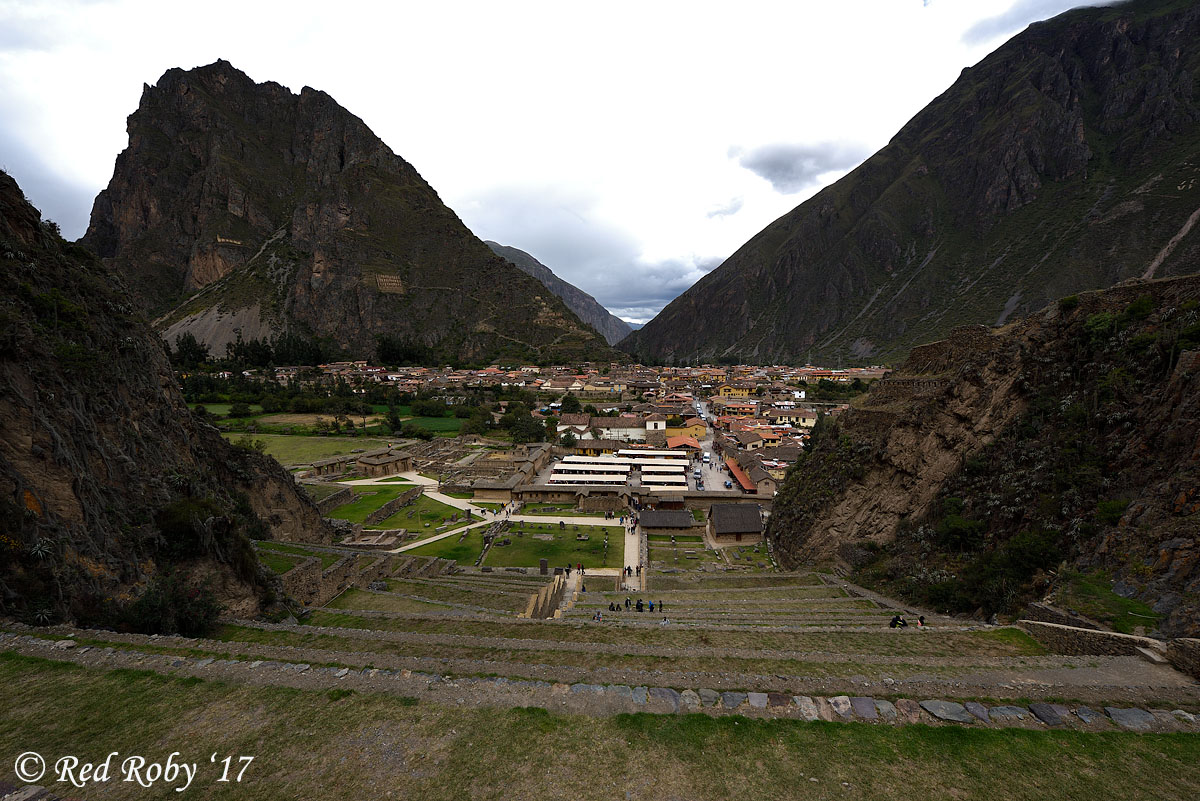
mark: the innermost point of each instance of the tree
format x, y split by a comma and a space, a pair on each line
189, 352
527, 429
567, 440
571, 404
240, 410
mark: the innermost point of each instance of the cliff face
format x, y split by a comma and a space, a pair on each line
612, 328
991, 458
243, 206
106, 479
1064, 161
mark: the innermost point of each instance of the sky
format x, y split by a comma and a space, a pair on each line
629, 146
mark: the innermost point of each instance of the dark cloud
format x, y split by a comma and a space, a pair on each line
728, 209
561, 231
1020, 14
68, 204
792, 168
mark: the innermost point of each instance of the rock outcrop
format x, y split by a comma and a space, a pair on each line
234, 195
990, 458
106, 479
1064, 161
611, 327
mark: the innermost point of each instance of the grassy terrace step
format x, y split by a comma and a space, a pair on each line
427, 596
697, 582
335, 649
457, 753
992, 642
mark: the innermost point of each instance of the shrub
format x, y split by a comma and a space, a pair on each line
170, 606
1069, 303
240, 410
1110, 512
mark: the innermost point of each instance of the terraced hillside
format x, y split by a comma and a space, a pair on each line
789, 645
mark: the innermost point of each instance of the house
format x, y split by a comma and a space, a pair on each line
388, 464
738, 390
665, 522
626, 429
749, 440
685, 443
692, 427
656, 422
735, 524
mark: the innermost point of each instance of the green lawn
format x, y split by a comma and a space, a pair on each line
526, 550
424, 510
277, 562
464, 552
310, 743
295, 449
439, 425
366, 500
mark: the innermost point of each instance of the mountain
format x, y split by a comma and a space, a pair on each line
242, 207
612, 328
994, 463
1067, 160
110, 490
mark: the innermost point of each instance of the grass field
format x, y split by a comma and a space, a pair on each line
449, 426
318, 743
277, 562
525, 551
424, 510
367, 500
556, 510
289, 449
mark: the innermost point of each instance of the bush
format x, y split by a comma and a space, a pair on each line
1109, 512
170, 606
240, 410
1069, 303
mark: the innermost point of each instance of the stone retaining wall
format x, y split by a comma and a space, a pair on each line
1184, 655
1072, 640
327, 505
1045, 613
391, 507
312, 586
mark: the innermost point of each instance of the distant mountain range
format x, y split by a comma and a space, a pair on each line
1068, 159
242, 209
612, 328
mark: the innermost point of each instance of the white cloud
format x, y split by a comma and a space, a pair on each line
792, 168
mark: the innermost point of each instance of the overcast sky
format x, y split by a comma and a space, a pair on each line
629, 146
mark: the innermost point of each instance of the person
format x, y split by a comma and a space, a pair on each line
610, 606
921, 622
665, 622
640, 606
652, 607
583, 588
660, 606
627, 603
895, 622
568, 571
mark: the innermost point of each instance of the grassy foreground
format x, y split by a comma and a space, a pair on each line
312, 744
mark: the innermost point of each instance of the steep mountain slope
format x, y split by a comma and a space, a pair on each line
1069, 159
991, 458
106, 479
612, 328
287, 213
